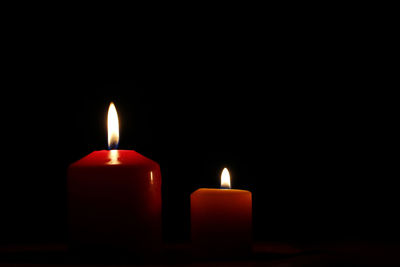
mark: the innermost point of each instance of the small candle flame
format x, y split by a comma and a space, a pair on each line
113, 127
225, 179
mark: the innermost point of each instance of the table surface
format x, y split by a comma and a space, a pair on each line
264, 254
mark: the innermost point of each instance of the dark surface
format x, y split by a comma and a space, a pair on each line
265, 254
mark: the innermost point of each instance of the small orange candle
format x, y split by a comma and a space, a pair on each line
221, 220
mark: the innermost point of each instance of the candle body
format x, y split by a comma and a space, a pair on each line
221, 222
114, 200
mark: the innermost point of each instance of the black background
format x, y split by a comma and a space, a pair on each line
296, 111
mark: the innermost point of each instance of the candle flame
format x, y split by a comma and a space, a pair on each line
113, 127
225, 179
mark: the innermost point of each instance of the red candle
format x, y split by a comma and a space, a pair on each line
115, 198
221, 220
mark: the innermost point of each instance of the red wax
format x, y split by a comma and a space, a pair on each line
221, 222
115, 201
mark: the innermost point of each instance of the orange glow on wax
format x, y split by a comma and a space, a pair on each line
114, 157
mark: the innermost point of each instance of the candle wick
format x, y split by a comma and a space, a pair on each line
113, 146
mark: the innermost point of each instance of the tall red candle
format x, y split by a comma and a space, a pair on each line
115, 198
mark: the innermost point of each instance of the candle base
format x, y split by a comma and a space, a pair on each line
222, 251
221, 223
106, 253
